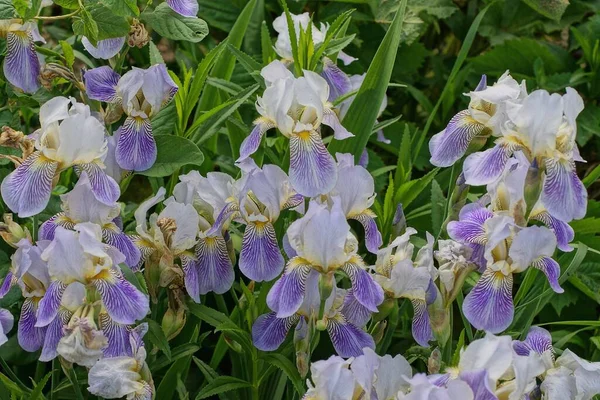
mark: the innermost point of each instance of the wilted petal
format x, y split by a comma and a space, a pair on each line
124, 243
21, 64
54, 333
187, 8
287, 294
312, 168
373, 238
450, 145
260, 258
563, 193
347, 339
104, 49
101, 84
480, 384
48, 306
27, 189
136, 148
30, 337
421, 328
211, 271
105, 188
485, 167
117, 377
124, 302
338, 81
368, 292
489, 305
551, 269
252, 141
268, 331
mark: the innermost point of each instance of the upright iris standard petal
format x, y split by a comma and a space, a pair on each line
124, 302
364, 288
489, 305
348, 340
268, 331
124, 243
421, 328
105, 188
260, 258
48, 306
470, 227
187, 8
27, 189
563, 193
104, 49
312, 168
538, 339
136, 148
31, 338
252, 141
286, 296
373, 239
450, 145
21, 64
339, 83
54, 333
485, 167
101, 84
211, 271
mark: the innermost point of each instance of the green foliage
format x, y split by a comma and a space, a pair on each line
173, 26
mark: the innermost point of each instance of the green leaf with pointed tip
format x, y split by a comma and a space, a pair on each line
364, 110
553, 9
222, 384
173, 26
7, 10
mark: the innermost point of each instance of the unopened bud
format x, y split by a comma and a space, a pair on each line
439, 317
233, 345
321, 325
50, 71
11, 232
434, 362
399, 221
302, 361
379, 331
173, 322
138, 35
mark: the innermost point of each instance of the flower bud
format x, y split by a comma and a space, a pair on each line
379, 331
434, 362
439, 318
11, 232
399, 221
173, 322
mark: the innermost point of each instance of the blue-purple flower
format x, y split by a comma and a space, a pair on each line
6, 324
69, 136
104, 49
141, 93
21, 63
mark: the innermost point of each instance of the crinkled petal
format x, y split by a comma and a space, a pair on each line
21, 64
27, 189
563, 193
268, 331
312, 168
489, 305
450, 145
260, 258
287, 294
101, 84
136, 148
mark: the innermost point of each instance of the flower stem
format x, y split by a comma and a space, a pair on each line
58, 17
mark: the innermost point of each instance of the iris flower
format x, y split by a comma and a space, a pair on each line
21, 63
141, 93
69, 136
104, 49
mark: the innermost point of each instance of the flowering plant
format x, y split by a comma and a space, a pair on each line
251, 212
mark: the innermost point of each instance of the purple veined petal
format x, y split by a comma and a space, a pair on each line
101, 84
338, 81
104, 49
563, 193
31, 338
563, 231
118, 221
287, 294
421, 328
47, 229
145, 249
21, 64
252, 141
521, 348
105, 188
551, 269
27, 189
117, 336
373, 238
489, 305
470, 227
353, 311
187, 8
368, 292
331, 119
287, 247
450, 145
124, 302
124, 243
268, 331
260, 257
50, 303
478, 256
363, 161
211, 270
53, 335
348, 340
294, 202
485, 167
431, 293
479, 383
9, 281
312, 168
539, 340
225, 215
136, 148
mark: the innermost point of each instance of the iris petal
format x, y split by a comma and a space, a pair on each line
368, 292
260, 258
268, 331
124, 302
287, 294
187, 8
31, 338
312, 168
21, 64
489, 305
136, 148
101, 84
563, 193
421, 328
450, 145
348, 340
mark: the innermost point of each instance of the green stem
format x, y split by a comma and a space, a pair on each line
73, 379
55, 379
58, 17
13, 376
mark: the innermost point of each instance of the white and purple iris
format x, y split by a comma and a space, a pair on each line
141, 93
297, 107
69, 136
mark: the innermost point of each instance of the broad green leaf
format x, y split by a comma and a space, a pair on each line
222, 384
208, 315
438, 206
364, 110
173, 153
221, 14
124, 8
158, 338
69, 4
587, 280
155, 56
164, 122
68, 53
553, 9
173, 26
7, 10
86, 26
109, 24
177, 371
288, 368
